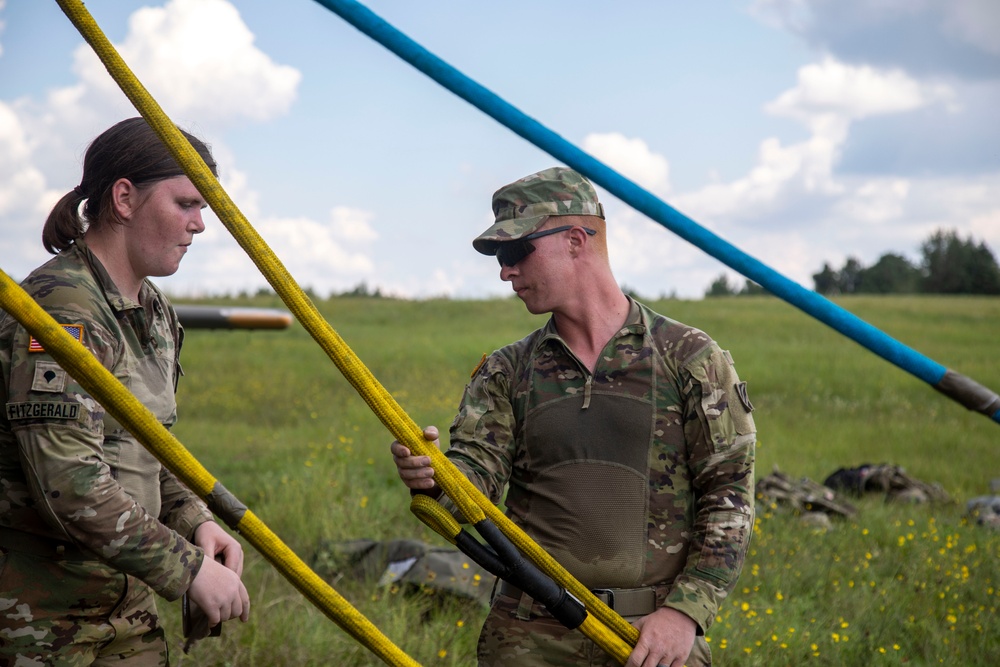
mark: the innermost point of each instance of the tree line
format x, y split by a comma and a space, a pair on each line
949, 264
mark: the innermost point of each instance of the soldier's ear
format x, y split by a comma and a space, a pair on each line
576, 238
124, 199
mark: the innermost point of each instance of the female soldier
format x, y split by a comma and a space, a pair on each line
91, 525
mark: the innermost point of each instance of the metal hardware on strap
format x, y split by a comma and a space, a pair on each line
524, 601
508, 589
628, 601
43, 547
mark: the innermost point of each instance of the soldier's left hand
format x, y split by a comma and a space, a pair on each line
415, 471
220, 545
665, 638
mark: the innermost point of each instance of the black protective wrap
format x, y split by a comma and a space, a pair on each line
519, 571
225, 505
969, 393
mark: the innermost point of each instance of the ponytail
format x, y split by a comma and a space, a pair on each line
63, 226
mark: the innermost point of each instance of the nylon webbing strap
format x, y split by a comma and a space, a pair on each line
640, 199
77, 360
625, 601
629, 601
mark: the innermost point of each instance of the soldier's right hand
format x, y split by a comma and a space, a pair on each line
219, 593
415, 471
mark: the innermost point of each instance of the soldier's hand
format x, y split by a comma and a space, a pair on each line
415, 471
220, 545
219, 593
665, 638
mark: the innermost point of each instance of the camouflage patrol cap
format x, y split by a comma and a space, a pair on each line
524, 205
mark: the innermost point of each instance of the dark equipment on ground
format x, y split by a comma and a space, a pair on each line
803, 495
985, 510
887, 479
405, 563
817, 503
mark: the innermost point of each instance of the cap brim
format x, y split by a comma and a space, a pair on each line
507, 230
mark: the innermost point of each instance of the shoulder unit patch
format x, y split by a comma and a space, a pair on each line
741, 391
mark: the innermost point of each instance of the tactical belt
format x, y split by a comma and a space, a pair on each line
625, 601
43, 547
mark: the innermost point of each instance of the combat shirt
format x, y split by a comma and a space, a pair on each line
638, 473
68, 470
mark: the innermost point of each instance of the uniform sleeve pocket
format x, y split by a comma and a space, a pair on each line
725, 545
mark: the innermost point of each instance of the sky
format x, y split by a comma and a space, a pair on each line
802, 131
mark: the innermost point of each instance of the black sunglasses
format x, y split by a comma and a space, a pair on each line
510, 253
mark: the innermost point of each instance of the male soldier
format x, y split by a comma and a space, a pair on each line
625, 438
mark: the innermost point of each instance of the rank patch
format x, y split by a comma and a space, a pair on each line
49, 376
74, 330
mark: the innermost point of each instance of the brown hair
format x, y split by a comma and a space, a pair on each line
129, 149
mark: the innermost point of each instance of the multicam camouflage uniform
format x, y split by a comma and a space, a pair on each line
90, 523
639, 474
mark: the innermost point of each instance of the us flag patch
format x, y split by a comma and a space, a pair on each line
74, 330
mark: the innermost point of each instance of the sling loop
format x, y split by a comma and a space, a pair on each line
471, 502
956, 386
137, 418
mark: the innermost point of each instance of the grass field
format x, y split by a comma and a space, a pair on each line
270, 416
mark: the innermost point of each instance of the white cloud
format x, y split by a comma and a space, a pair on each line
326, 257
633, 158
986, 226
352, 224
968, 204
438, 282
830, 92
796, 256
198, 59
316, 253
12, 138
793, 15
648, 258
22, 187
827, 98
875, 201
952, 38
800, 202
792, 210
976, 22
781, 173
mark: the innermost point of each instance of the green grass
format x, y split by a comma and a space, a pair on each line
273, 419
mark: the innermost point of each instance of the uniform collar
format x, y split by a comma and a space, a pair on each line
635, 323
116, 299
